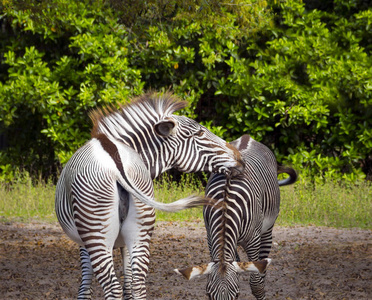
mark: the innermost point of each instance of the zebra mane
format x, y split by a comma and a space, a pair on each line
161, 104
222, 238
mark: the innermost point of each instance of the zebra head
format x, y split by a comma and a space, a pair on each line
164, 140
223, 282
195, 148
223, 277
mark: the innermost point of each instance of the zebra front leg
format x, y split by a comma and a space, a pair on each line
257, 283
85, 290
256, 280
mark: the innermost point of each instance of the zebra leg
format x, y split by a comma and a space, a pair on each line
127, 273
95, 206
103, 268
256, 281
137, 230
85, 290
266, 243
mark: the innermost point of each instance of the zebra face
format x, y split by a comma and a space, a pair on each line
197, 149
223, 282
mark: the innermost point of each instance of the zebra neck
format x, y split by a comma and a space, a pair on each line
133, 125
149, 153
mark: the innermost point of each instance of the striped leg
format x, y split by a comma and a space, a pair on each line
85, 290
95, 205
256, 281
266, 243
103, 267
137, 230
127, 273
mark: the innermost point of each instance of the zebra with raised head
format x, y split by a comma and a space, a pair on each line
250, 206
105, 196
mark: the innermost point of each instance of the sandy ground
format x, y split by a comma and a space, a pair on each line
37, 261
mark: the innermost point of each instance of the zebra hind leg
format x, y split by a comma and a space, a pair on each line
137, 231
104, 271
127, 290
85, 290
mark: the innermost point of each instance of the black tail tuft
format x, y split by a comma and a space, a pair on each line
292, 175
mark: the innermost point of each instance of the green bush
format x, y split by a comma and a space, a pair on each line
56, 72
296, 76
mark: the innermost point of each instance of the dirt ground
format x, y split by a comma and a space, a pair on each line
37, 261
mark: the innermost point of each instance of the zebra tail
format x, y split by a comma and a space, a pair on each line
292, 175
188, 202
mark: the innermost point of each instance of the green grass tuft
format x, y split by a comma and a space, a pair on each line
24, 200
328, 204
167, 190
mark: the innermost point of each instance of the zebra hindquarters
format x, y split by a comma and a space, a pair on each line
95, 207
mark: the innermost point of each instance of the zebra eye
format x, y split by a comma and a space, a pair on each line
199, 132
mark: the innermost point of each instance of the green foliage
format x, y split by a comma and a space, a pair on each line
72, 64
296, 76
168, 190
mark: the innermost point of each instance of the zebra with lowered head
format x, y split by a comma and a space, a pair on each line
105, 196
248, 206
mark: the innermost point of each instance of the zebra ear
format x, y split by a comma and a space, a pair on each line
252, 266
164, 127
192, 272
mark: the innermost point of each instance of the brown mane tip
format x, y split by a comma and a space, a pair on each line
96, 115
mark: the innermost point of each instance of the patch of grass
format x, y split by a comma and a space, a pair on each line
167, 190
24, 200
328, 204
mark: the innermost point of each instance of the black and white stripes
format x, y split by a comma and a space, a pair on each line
248, 208
105, 196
